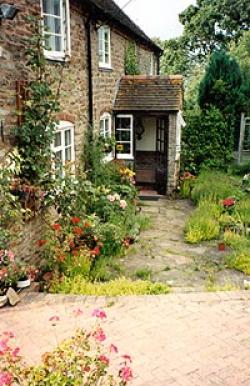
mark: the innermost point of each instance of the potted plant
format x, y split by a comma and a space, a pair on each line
7, 271
23, 276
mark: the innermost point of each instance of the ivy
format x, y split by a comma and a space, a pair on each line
131, 65
35, 135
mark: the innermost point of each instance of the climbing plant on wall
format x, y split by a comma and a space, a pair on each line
131, 64
35, 134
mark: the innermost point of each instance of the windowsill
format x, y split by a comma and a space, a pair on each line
125, 157
102, 67
56, 57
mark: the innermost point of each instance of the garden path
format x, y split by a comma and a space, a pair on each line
195, 339
163, 255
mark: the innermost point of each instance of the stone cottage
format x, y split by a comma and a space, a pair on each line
93, 36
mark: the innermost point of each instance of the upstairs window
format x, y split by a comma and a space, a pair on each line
63, 148
55, 14
104, 47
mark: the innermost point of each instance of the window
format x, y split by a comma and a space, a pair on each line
106, 132
104, 47
124, 137
63, 147
56, 22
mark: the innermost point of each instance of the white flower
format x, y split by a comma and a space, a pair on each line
117, 196
111, 198
123, 204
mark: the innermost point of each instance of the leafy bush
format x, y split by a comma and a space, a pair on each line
240, 170
118, 287
203, 223
216, 186
207, 140
243, 210
240, 259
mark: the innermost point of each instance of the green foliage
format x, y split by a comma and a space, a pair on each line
221, 85
211, 24
34, 136
240, 170
175, 59
207, 140
118, 287
203, 223
10, 210
216, 186
131, 65
144, 273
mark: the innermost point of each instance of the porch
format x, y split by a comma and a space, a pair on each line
147, 130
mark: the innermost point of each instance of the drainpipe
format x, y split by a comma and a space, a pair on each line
89, 69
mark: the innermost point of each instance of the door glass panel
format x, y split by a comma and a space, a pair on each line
123, 135
123, 148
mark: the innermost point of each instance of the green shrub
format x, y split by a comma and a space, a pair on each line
144, 273
243, 211
215, 186
118, 287
240, 259
203, 224
240, 170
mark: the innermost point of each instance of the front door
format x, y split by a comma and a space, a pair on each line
161, 154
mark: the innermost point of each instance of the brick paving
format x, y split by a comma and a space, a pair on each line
175, 340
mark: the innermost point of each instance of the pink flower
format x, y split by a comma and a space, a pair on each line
99, 313
123, 204
54, 319
113, 348
99, 335
11, 255
127, 358
15, 352
77, 312
5, 379
4, 346
104, 359
126, 374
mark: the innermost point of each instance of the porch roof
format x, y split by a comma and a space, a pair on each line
149, 93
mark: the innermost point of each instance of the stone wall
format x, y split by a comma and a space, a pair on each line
173, 165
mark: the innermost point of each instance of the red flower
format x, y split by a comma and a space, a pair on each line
126, 374
99, 313
95, 251
87, 225
113, 348
61, 258
75, 220
78, 231
99, 335
56, 227
104, 359
72, 244
40, 243
228, 202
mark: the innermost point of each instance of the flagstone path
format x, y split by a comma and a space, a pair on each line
198, 339
164, 254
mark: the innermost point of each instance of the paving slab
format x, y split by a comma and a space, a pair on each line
179, 339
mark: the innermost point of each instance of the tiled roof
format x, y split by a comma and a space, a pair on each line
149, 93
110, 11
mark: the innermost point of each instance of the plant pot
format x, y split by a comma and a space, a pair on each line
3, 300
221, 247
23, 283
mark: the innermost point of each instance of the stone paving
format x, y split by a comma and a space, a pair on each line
163, 251
198, 339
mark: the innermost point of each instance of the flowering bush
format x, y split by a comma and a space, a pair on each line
84, 359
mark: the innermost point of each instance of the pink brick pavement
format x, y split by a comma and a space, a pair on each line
179, 339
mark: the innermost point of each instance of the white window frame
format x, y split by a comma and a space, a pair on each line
61, 128
101, 51
65, 32
126, 156
107, 134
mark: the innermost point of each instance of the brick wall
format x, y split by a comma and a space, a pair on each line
74, 90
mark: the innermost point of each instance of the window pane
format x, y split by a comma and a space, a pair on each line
68, 154
123, 123
53, 42
123, 135
57, 141
52, 24
102, 127
52, 7
123, 148
67, 137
